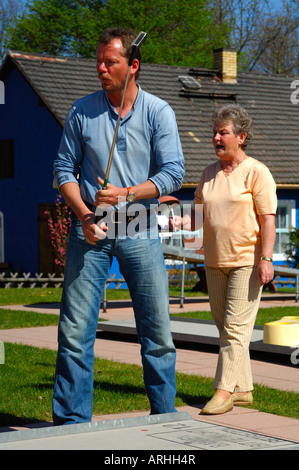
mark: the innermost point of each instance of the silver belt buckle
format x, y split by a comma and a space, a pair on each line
113, 218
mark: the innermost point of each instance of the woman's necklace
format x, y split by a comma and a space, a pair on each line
227, 171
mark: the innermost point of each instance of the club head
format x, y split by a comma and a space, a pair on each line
136, 44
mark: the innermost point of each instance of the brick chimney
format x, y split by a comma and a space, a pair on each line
225, 60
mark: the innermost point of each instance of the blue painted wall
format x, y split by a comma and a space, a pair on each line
36, 135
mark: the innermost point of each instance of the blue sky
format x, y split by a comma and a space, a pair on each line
276, 3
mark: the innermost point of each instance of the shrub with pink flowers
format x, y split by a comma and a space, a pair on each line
59, 227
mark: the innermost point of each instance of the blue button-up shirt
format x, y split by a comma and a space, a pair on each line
147, 146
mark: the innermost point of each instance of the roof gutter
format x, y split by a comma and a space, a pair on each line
287, 186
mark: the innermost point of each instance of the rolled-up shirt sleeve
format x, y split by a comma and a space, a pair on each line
70, 152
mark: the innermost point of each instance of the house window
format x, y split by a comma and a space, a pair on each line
285, 219
6, 159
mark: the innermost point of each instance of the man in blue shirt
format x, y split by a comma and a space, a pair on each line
147, 164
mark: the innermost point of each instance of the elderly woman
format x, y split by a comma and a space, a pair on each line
239, 201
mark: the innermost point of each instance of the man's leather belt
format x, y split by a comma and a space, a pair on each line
116, 216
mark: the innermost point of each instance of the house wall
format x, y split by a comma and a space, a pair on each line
36, 135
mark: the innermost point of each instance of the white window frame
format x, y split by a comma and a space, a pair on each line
290, 205
176, 239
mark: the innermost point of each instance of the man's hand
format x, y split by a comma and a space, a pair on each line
92, 232
109, 196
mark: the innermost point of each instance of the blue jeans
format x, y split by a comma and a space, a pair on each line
142, 266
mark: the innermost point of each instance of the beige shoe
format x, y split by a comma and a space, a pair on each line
217, 405
242, 398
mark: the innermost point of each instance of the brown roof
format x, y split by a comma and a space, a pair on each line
60, 81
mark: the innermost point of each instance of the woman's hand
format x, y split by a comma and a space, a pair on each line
265, 272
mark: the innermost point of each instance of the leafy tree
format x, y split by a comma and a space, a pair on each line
56, 27
9, 10
180, 32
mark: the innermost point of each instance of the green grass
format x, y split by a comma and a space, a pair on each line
27, 377
25, 295
264, 315
20, 319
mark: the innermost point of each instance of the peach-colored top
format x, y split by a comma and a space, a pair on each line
230, 205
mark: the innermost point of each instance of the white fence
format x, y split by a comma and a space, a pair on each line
25, 279
40, 280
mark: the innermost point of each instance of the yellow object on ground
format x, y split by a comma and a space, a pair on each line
284, 332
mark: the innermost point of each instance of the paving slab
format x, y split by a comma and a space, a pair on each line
170, 432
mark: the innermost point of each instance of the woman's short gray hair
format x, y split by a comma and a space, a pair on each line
238, 116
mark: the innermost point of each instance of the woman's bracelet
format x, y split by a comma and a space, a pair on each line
267, 258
